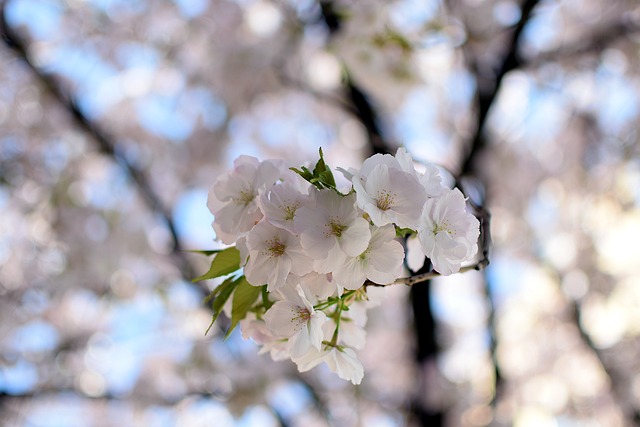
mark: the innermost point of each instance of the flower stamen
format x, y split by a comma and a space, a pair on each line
337, 228
275, 248
290, 210
443, 227
246, 197
385, 200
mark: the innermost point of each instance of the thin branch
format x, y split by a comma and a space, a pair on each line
46, 392
629, 411
422, 278
105, 143
596, 42
323, 97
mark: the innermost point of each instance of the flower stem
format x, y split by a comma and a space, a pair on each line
338, 316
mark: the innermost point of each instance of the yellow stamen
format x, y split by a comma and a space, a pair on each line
385, 200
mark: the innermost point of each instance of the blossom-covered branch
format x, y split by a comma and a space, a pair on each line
306, 251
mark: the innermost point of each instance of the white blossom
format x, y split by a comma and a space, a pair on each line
448, 233
320, 285
341, 360
415, 257
295, 318
309, 245
280, 203
345, 363
258, 331
381, 262
333, 224
430, 179
232, 198
388, 193
274, 253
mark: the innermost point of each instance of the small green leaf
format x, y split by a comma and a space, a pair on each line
403, 232
225, 262
265, 298
205, 252
322, 173
244, 297
322, 177
327, 179
224, 291
305, 173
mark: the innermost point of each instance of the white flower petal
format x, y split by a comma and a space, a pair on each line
355, 239
447, 232
310, 359
415, 256
285, 319
345, 363
386, 263
335, 258
351, 274
318, 319
299, 344
319, 285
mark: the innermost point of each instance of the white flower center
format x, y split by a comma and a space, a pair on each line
445, 226
246, 196
290, 210
275, 248
385, 199
335, 228
302, 314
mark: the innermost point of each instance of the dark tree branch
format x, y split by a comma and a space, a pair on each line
598, 41
367, 116
487, 93
105, 143
486, 96
425, 327
358, 102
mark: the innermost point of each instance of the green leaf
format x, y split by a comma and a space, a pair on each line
204, 251
404, 232
305, 173
244, 297
322, 177
326, 178
224, 291
322, 173
265, 298
225, 262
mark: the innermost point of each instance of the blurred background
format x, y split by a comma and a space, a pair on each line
116, 116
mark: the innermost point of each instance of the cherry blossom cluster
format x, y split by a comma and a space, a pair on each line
307, 256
